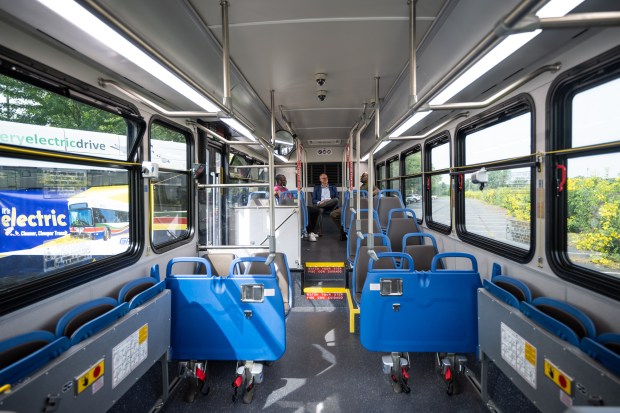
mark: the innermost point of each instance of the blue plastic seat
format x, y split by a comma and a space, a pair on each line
28, 352
352, 239
87, 319
560, 318
216, 318
508, 289
137, 292
436, 311
605, 349
345, 217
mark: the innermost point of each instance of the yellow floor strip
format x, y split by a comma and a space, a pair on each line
315, 264
352, 310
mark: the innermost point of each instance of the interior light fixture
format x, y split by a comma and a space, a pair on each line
280, 157
236, 125
365, 158
90, 24
418, 116
555, 8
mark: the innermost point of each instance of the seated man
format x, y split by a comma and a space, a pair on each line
324, 199
335, 215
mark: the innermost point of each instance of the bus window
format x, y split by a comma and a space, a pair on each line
497, 215
393, 170
63, 216
170, 197
381, 176
412, 181
583, 172
438, 205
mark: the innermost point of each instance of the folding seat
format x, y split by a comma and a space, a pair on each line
87, 319
237, 317
282, 271
404, 310
508, 289
387, 200
605, 349
26, 353
560, 318
137, 292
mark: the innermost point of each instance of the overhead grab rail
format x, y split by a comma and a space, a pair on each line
430, 132
510, 88
485, 45
570, 21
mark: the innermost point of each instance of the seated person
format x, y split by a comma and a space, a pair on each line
280, 186
324, 198
336, 214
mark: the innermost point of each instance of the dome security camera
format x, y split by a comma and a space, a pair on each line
321, 94
320, 78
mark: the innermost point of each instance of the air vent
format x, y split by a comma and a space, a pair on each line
324, 142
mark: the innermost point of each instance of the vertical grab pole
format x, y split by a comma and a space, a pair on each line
413, 83
371, 176
272, 199
226, 54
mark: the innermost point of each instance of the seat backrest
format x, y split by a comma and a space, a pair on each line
282, 272
560, 318
398, 227
220, 263
137, 292
238, 317
362, 258
605, 349
421, 311
28, 352
389, 199
421, 253
352, 239
351, 203
90, 317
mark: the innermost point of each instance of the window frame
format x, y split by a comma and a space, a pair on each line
26, 70
514, 107
434, 142
163, 122
404, 176
592, 73
389, 178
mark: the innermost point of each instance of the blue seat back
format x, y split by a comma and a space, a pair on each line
212, 321
436, 312
348, 202
605, 349
87, 319
560, 318
27, 353
137, 292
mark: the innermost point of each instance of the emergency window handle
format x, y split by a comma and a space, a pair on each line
561, 179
